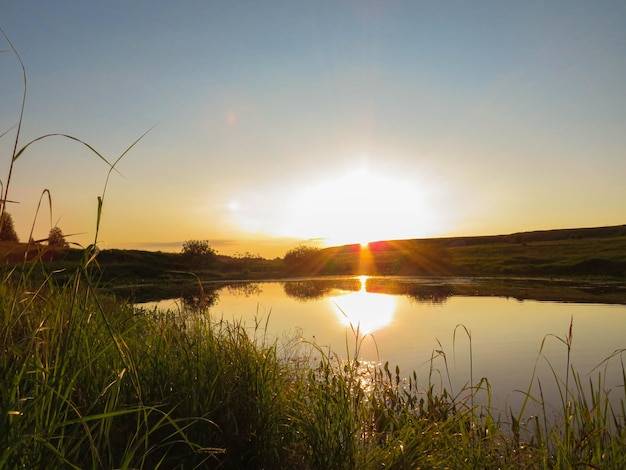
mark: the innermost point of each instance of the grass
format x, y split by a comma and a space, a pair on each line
589, 268
124, 267
597, 252
88, 381
594, 256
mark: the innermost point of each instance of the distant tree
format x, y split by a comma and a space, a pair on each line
300, 256
7, 230
56, 238
198, 249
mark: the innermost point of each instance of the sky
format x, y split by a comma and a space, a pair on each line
323, 122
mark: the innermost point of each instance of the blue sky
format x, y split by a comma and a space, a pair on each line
501, 116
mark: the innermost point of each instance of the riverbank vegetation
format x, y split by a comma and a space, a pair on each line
591, 252
88, 381
598, 253
580, 265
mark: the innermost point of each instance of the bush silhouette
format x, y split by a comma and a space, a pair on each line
197, 248
198, 252
56, 238
300, 256
7, 230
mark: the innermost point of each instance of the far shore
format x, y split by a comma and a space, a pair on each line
577, 265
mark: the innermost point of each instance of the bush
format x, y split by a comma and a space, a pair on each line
7, 230
56, 238
300, 256
197, 248
198, 253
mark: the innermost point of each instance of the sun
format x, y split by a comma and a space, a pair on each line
360, 207
357, 207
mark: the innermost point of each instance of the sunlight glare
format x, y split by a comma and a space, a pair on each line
361, 205
364, 310
358, 207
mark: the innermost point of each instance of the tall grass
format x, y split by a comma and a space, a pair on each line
88, 381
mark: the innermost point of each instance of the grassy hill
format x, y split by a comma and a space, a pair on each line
589, 252
570, 252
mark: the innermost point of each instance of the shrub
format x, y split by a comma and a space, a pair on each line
56, 238
300, 256
198, 253
197, 248
7, 230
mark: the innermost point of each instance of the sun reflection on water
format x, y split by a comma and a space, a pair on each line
366, 310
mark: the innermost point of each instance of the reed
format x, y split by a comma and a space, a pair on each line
89, 381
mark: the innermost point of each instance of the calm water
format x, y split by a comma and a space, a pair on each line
405, 328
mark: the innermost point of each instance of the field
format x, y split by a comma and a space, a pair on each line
598, 252
594, 252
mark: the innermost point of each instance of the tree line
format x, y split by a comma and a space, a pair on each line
8, 233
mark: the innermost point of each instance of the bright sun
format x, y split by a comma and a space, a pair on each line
359, 207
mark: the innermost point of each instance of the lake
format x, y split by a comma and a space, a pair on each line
407, 319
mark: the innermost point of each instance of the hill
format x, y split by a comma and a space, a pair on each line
588, 252
597, 251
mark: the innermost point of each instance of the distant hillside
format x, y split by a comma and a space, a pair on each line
586, 252
599, 251
517, 237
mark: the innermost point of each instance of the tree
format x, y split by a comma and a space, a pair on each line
198, 249
7, 230
301, 257
56, 238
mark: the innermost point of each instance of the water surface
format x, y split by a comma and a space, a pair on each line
407, 320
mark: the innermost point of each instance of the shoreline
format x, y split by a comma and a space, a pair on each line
420, 288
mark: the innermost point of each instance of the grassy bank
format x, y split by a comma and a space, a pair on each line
598, 253
593, 252
87, 381
122, 267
